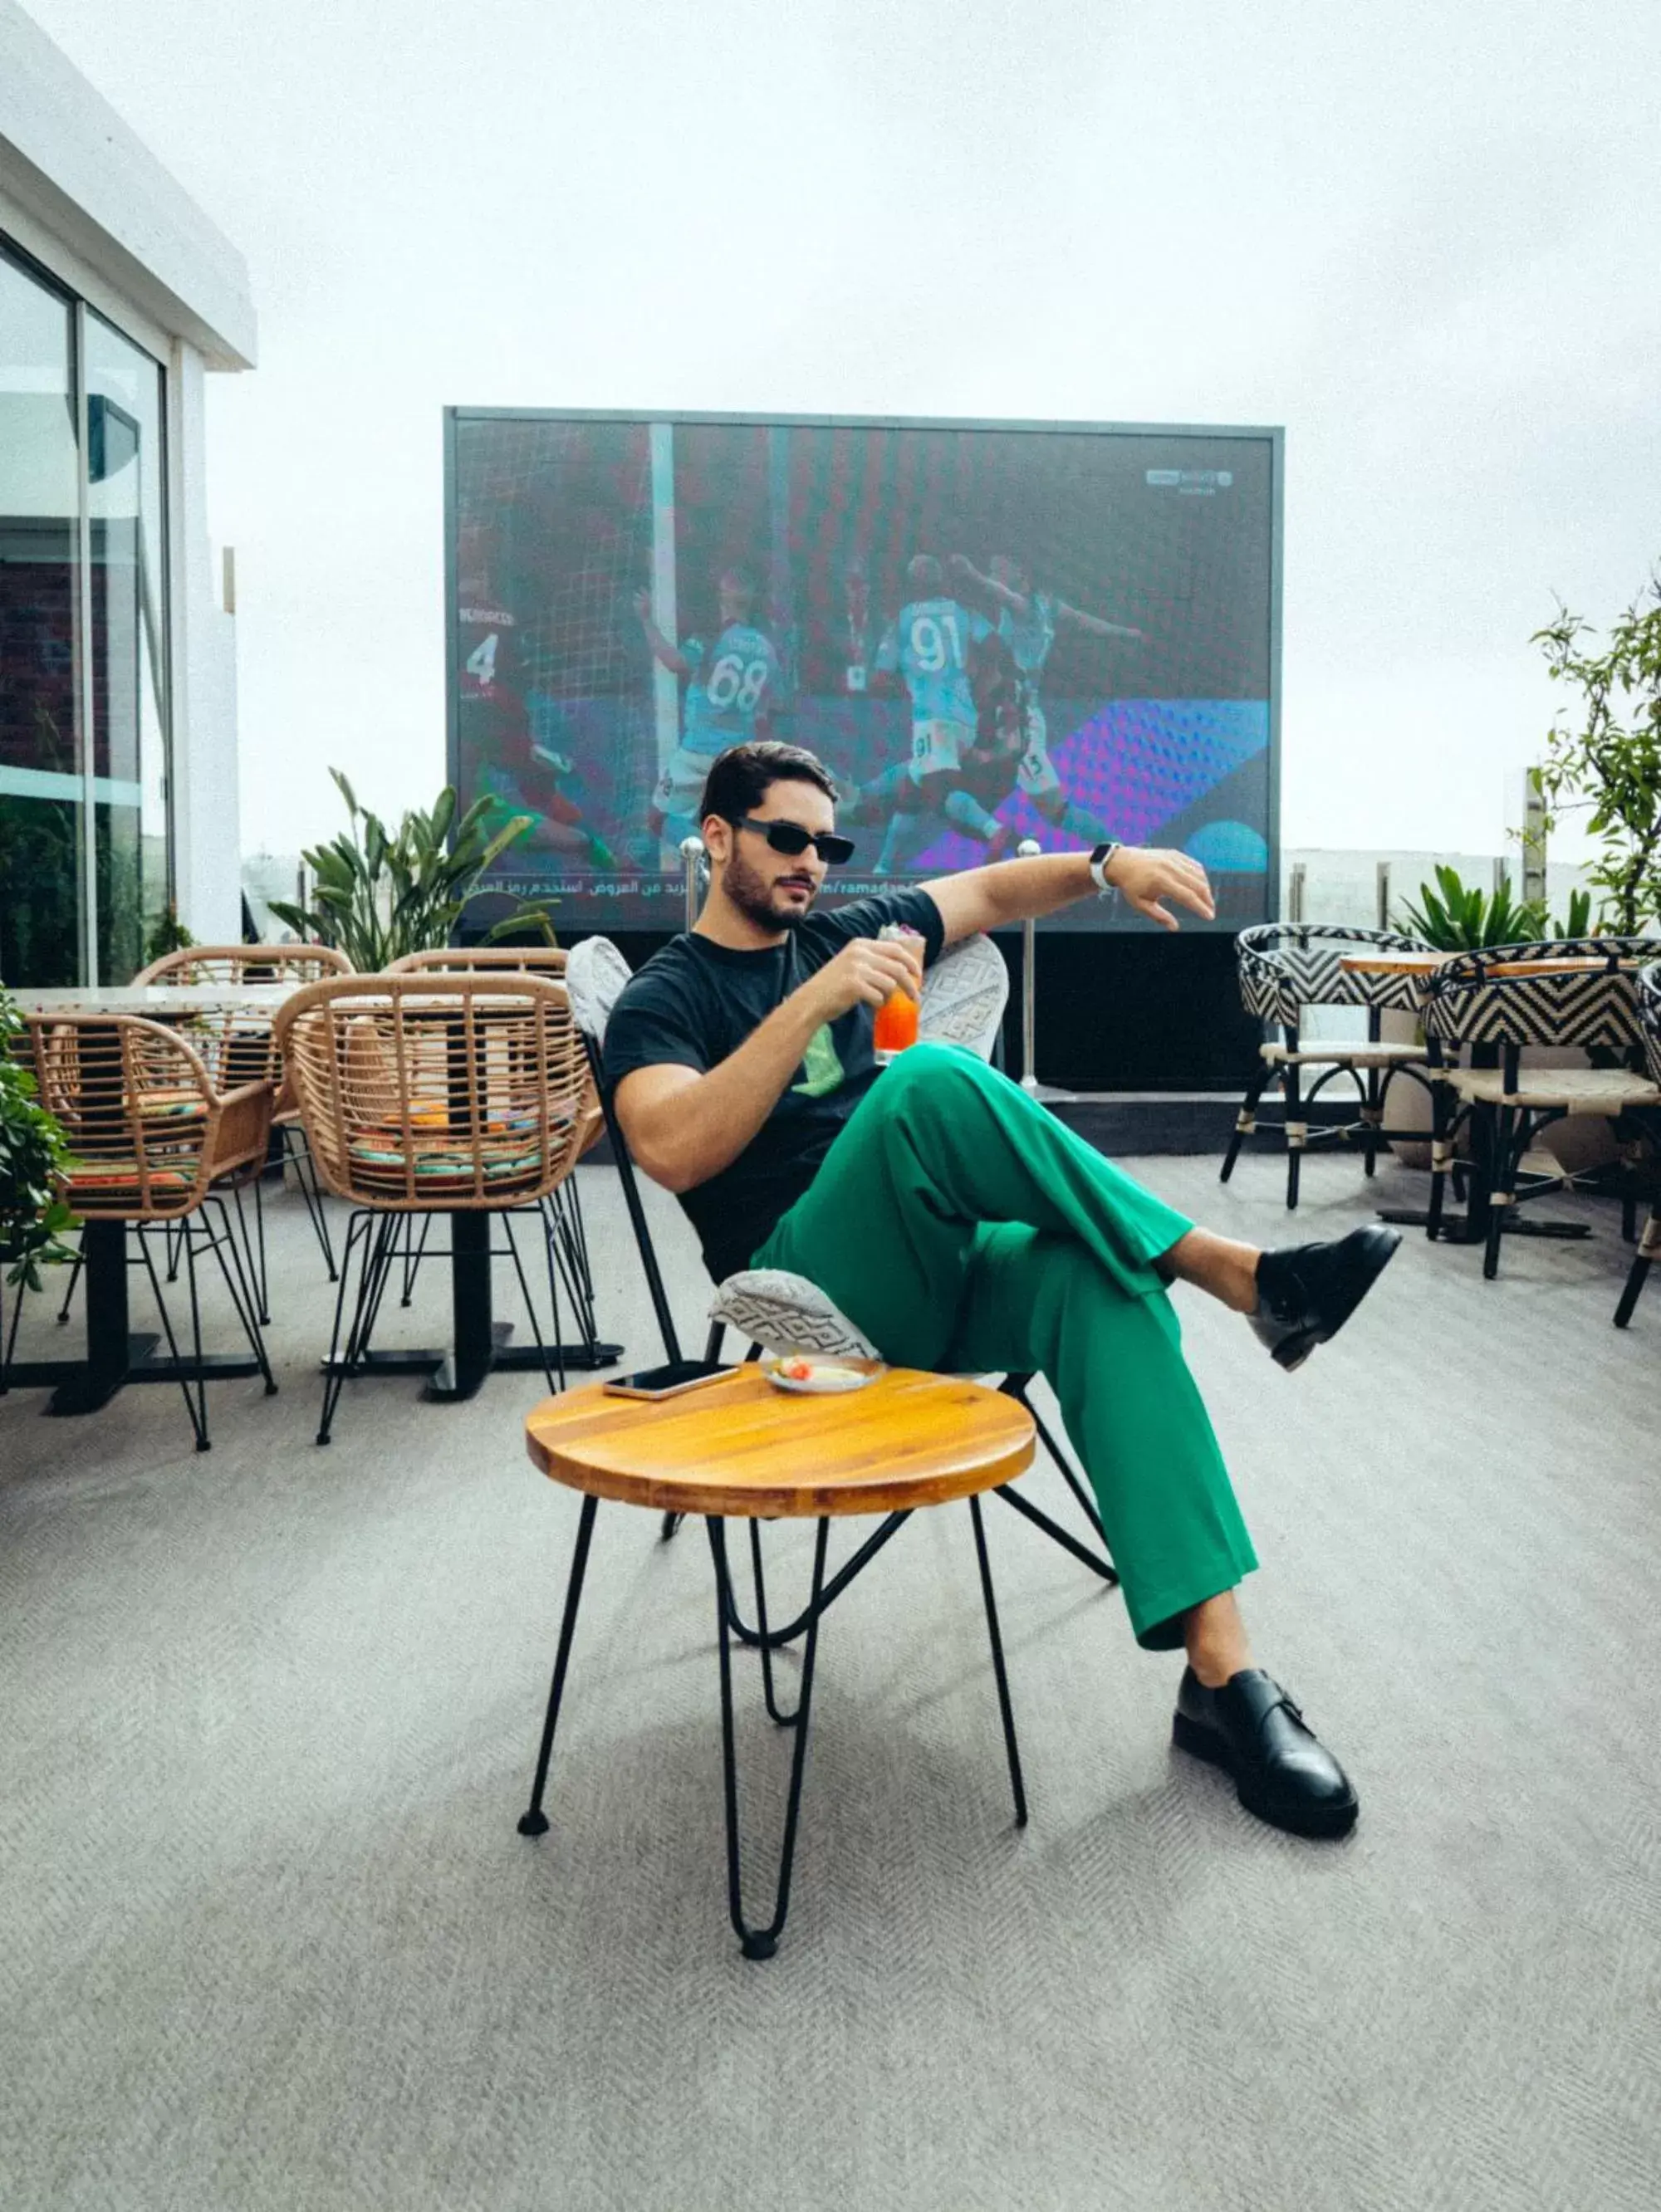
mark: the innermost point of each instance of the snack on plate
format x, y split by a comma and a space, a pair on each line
812, 1371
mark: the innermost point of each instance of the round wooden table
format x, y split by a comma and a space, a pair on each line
740, 1448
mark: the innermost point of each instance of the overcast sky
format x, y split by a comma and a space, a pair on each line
1427, 241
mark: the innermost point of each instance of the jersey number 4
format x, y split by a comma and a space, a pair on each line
482, 661
734, 684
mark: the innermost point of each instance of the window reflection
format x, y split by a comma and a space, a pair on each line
41, 791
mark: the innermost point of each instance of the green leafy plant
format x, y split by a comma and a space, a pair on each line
380, 893
169, 935
1604, 755
1460, 918
33, 1217
1577, 923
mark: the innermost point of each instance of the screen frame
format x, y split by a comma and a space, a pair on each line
1273, 434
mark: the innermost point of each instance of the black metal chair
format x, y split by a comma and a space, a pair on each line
1481, 1012
1288, 967
1649, 1239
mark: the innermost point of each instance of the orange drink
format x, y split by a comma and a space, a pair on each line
896, 1017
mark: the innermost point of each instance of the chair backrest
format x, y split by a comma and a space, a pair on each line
236, 1040
438, 1093
963, 997
1497, 996
1649, 1017
244, 964
139, 1110
1285, 966
485, 960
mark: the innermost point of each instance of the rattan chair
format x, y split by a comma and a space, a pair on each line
563, 1207
1287, 967
238, 1045
1494, 1004
963, 1001
432, 1093
1649, 1240
150, 1134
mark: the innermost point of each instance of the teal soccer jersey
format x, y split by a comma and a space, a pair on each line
1030, 637
929, 644
733, 682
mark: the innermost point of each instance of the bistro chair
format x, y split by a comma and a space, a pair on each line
1287, 967
239, 1045
963, 997
150, 1133
1649, 1240
1490, 1006
563, 1208
427, 1094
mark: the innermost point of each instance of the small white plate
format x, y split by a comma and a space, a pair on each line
828, 1379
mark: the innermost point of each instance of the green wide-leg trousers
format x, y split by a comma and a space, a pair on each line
963, 1228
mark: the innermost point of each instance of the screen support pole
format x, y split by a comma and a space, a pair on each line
1028, 849
691, 852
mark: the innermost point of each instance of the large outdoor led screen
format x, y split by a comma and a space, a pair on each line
989, 632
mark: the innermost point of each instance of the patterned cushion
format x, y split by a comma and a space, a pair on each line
1649, 1017
787, 1313
595, 973
964, 996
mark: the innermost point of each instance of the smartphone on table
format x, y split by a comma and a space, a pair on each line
669, 1380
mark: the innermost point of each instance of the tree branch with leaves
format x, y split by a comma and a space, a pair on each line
1603, 755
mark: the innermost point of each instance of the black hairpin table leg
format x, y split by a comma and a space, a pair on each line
763, 1942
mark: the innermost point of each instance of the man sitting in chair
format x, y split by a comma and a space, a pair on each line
959, 1225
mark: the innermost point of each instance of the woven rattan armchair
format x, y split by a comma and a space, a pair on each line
1286, 967
565, 1224
150, 1134
426, 1093
238, 1044
1494, 1005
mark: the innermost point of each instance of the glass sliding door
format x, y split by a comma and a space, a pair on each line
43, 935
84, 843
128, 656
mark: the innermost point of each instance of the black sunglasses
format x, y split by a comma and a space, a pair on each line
790, 837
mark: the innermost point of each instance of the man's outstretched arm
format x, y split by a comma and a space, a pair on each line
669, 656
1014, 890
683, 1127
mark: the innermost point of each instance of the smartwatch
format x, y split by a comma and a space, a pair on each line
1098, 864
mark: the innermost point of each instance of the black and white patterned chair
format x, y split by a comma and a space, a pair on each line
1649, 1239
1491, 1007
1287, 967
963, 997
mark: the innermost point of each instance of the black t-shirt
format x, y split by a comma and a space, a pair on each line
695, 1002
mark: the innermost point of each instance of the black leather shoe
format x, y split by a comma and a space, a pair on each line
1254, 1731
1306, 1292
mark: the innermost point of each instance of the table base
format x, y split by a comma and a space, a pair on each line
1457, 1229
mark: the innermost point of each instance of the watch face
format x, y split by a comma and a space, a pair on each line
1101, 852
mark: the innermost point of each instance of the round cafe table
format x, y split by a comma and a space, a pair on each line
740, 1448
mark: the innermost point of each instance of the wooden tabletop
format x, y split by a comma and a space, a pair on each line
156, 1002
739, 1446
1427, 963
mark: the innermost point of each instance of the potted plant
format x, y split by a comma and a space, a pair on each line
380, 893
32, 1153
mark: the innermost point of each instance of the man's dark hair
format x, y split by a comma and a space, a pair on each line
737, 781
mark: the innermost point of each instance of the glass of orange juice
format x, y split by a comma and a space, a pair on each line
896, 1017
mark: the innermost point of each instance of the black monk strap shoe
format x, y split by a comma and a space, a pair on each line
1254, 1731
1306, 1292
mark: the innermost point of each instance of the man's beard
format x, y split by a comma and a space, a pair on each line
752, 894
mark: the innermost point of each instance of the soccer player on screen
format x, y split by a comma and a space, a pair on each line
1028, 622
518, 774
733, 686
928, 645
